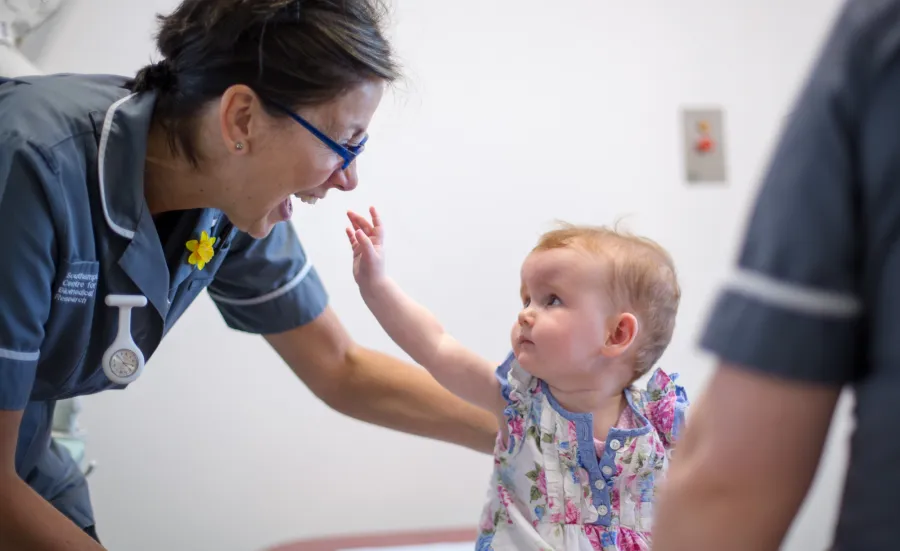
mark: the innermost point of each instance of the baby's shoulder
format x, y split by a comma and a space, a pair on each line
663, 403
516, 384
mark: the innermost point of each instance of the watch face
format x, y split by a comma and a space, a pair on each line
124, 363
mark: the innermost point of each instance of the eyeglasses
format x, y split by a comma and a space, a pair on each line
348, 153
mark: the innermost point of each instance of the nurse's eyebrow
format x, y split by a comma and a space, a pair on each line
356, 134
332, 130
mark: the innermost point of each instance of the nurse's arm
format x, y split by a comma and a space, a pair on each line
748, 427
378, 388
27, 521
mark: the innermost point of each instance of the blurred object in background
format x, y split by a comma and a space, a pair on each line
17, 19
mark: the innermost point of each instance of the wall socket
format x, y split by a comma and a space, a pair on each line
704, 146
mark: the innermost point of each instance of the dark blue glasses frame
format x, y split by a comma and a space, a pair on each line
348, 153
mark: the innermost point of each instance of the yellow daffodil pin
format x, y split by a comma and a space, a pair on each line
201, 251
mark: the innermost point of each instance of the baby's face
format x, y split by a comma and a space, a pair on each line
561, 328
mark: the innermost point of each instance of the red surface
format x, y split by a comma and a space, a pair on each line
381, 540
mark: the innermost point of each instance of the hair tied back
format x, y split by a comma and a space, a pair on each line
157, 76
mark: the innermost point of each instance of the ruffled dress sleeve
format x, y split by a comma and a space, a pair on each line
665, 405
518, 388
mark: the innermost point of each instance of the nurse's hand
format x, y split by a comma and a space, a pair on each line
367, 239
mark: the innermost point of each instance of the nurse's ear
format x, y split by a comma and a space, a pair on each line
240, 114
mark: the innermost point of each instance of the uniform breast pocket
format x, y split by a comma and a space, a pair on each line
69, 329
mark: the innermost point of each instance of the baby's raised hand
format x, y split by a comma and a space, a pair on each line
367, 240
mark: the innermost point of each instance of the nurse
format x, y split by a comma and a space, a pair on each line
133, 195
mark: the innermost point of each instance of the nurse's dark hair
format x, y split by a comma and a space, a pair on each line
294, 52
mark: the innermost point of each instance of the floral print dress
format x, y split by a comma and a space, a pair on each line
552, 491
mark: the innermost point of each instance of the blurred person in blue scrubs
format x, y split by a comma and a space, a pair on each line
813, 307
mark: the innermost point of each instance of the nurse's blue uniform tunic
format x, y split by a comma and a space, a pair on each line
74, 228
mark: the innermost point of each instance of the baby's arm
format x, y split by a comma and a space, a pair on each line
420, 335
414, 328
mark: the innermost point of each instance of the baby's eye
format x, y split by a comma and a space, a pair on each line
553, 300
526, 302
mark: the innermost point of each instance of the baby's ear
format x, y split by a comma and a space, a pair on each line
623, 330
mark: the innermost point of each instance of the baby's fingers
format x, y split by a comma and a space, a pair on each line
353, 220
376, 219
352, 237
360, 222
365, 244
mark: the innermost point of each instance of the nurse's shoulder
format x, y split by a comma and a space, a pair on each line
46, 110
50, 129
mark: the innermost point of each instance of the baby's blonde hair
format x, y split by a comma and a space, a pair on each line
642, 279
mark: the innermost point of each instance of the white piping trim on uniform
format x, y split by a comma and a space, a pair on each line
101, 157
19, 356
284, 289
794, 297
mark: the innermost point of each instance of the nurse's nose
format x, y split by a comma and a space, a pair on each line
344, 180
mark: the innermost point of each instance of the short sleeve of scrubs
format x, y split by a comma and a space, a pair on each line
268, 285
795, 306
27, 265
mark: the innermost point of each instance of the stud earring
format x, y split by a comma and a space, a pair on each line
239, 146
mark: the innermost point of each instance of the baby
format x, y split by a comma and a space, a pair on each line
582, 450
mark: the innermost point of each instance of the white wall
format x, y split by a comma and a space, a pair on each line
514, 114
